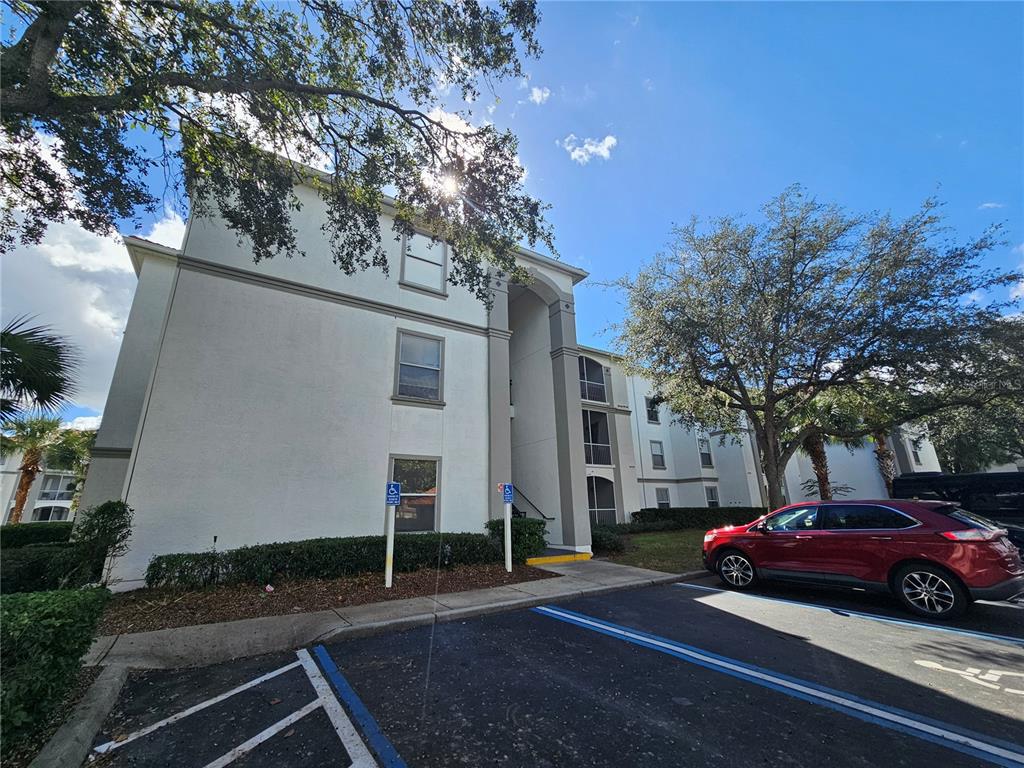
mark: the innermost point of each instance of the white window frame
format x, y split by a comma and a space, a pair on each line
406, 282
60, 494
437, 485
586, 384
701, 442
651, 403
709, 492
659, 453
594, 446
397, 395
665, 503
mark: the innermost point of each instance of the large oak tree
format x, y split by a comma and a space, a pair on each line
354, 88
757, 322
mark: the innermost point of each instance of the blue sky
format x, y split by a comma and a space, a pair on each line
712, 108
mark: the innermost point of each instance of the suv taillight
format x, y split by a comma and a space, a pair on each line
973, 534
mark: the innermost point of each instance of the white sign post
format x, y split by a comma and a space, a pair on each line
506, 494
392, 497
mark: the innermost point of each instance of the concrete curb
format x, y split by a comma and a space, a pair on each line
204, 644
72, 742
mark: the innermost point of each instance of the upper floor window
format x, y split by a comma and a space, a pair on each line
592, 380
916, 454
420, 360
657, 454
423, 263
661, 494
704, 446
653, 412
57, 488
711, 494
597, 446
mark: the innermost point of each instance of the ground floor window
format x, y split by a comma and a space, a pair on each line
601, 501
418, 510
49, 514
663, 500
711, 494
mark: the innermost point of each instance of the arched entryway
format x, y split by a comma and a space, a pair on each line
601, 500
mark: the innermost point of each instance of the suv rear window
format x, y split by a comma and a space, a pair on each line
967, 518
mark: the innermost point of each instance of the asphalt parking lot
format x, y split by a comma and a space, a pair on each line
674, 675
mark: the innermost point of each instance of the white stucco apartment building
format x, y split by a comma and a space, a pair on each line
271, 402
49, 498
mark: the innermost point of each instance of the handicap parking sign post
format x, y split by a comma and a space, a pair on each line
507, 495
392, 498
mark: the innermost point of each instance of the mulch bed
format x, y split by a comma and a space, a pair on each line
143, 610
25, 751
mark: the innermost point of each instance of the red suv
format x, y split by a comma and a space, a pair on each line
936, 557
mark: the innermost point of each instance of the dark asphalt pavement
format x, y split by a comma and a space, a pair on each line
671, 675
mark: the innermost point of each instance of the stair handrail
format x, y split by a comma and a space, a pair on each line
521, 495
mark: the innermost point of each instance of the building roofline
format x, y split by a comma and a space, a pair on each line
140, 247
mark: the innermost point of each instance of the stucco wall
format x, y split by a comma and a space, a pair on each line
271, 419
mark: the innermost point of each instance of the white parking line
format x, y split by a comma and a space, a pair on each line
259, 738
110, 745
346, 731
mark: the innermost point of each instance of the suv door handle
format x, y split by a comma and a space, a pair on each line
882, 538
804, 537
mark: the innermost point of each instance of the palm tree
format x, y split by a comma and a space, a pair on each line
34, 438
37, 369
831, 412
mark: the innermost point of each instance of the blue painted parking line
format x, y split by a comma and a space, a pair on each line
379, 743
862, 615
953, 737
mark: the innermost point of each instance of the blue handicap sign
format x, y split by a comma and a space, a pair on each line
393, 494
506, 493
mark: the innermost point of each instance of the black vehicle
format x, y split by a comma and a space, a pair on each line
998, 496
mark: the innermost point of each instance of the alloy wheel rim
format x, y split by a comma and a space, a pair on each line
737, 570
929, 592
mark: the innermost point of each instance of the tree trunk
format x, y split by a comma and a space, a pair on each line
885, 459
29, 469
814, 446
773, 472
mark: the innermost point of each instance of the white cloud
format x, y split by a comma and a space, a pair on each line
986, 206
1017, 291
974, 297
539, 95
648, 84
82, 285
83, 422
582, 151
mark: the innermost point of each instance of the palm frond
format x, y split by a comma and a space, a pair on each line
37, 368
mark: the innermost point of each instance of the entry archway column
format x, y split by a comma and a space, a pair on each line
572, 479
499, 396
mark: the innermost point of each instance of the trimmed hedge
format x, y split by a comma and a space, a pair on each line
43, 636
23, 534
42, 567
696, 517
605, 540
527, 537
319, 559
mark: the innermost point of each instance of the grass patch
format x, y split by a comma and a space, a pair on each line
669, 551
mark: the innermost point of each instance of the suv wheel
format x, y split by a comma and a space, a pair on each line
930, 592
735, 570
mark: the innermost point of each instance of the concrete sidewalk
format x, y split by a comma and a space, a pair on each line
211, 643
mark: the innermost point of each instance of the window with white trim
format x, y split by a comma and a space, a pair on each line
657, 454
423, 263
704, 446
419, 366
661, 494
57, 488
653, 414
592, 380
597, 442
711, 494
418, 510
49, 514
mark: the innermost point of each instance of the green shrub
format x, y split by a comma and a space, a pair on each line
319, 559
39, 567
23, 534
696, 517
43, 636
103, 532
605, 540
527, 537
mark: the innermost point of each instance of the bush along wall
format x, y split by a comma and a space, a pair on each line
696, 517
605, 540
43, 636
527, 537
319, 559
23, 534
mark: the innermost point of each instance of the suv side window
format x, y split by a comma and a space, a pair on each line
862, 517
799, 519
